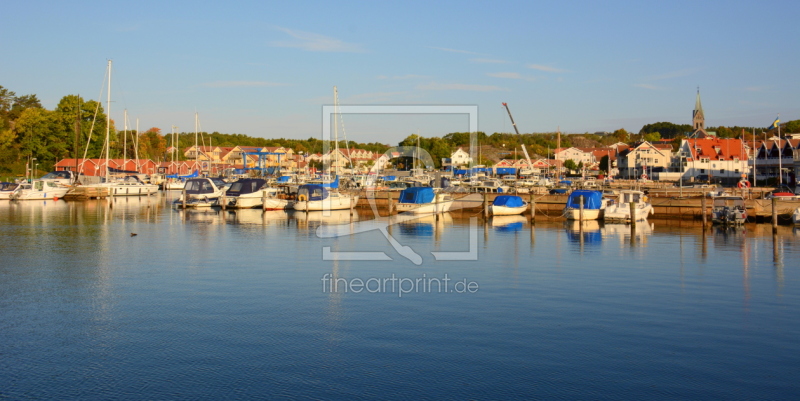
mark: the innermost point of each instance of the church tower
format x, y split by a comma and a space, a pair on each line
698, 119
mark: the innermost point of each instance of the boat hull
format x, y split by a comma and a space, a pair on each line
588, 214
622, 212
335, 203
496, 210
425, 208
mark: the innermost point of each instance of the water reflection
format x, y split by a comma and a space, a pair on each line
584, 232
627, 233
422, 225
508, 223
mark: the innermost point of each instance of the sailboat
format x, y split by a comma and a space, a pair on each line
129, 185
326, 196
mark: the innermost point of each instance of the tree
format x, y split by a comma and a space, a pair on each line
604, 164
652, 137
569, 164
620, 135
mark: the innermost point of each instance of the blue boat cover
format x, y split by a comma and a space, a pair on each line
460, 172
284, 179
506, 171
334, 184
192, 175
390, 178
314, 192
417, 195
508, 201
565, 182
591, 199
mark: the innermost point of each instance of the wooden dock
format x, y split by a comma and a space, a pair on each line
84, 193
667, 205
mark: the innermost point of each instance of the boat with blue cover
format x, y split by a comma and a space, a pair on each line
424, 200
314, 197
508, 205
593, 205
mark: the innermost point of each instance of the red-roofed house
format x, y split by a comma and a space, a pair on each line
717, 158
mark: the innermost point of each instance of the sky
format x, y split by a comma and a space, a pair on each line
266, 69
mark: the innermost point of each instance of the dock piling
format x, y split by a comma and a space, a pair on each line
774, 214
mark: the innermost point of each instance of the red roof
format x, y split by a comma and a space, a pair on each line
714, 148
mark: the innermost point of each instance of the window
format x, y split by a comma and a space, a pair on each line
702, 171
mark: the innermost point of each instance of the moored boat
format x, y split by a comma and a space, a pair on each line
424, 200
38, 190
253, 192
728, 210
507, 205
315, 197
201, 192
620, 211
593, 205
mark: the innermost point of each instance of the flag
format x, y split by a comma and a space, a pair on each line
775, 123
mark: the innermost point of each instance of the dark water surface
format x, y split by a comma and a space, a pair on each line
223, 305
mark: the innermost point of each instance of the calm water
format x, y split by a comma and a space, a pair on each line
222, 305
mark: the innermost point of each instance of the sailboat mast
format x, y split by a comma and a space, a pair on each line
108, 118
336, 128
196, 151
125, 138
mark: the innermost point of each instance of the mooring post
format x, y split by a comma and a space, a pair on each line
486, 205
633, 214
264, 200
703, 207
224, 202
389, 202
533, 206
774, 214
183, 199
580, 213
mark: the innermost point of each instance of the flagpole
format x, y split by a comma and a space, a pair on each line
755, 157
780, 153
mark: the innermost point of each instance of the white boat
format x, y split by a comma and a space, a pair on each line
491, 186
61, 178
508, 205
593, 205
424, 200
796, 217
620, 211
728, 210
202, 192
130, 186
6, 189
251, 193
38, 190
314, 197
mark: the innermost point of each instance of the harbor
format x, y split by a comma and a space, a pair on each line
199, 297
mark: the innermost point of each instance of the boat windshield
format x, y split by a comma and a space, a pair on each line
203, 186
56, 175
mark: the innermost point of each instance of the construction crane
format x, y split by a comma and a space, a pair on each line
530, 165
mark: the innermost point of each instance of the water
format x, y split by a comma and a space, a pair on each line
220, 305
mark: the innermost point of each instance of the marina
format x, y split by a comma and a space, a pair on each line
665, 309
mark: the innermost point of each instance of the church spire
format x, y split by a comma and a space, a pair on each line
698, 118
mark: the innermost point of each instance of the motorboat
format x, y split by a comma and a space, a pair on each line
253, 192
508, 205
424, 200
131, 186
492, 186
61, 178
315, 197
201, 192
620, 211
593, 202
38, 190
728, 210
6, 189
796, 217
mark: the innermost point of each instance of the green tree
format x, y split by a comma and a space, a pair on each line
569, 164
604, 164
652, 137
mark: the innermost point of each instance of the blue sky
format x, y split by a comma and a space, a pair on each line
266, 68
